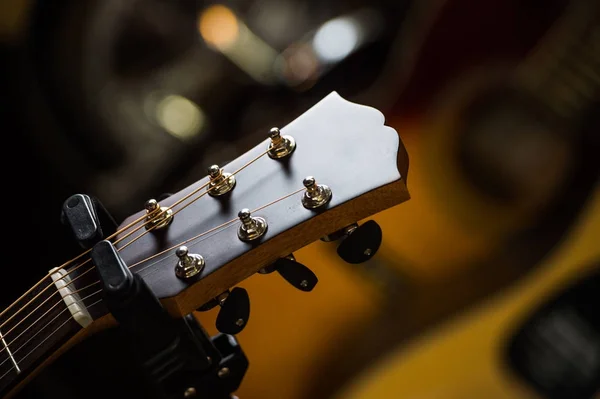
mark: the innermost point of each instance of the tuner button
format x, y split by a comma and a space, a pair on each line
244, 214
181, 252
295, 273
151, 205
234, 313
214, 171
361, 244
309, 182
275, 133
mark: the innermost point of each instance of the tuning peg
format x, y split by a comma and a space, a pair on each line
294, 273
359, 243
234, 313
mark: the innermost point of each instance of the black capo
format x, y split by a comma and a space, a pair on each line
176, 356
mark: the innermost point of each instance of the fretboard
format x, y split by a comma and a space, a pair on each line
41, 322
563, 72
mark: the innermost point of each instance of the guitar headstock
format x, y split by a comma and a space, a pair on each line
345, 146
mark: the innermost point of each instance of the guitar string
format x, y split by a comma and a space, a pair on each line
44, 326
207, 232
128, 226
96, 282
114, 234
76, 267
195, 239
83, 274
44, 340
44, 314
140, 262
74, 279
67, 263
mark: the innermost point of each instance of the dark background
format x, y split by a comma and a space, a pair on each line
87, 88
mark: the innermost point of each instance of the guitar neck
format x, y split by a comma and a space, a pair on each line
43, 321
214, 220
561, 72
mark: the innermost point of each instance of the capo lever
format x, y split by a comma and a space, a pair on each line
87, 219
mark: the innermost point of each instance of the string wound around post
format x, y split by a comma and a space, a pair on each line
280, 146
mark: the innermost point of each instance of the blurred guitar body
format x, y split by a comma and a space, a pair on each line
501, 105
495, 187
500, 348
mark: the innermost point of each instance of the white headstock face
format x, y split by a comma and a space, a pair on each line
344, 146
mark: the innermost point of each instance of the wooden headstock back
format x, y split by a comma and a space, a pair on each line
343, 145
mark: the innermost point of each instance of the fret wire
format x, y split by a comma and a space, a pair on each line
83, 263
38, 331
48, 311
112, 236
87, 260
48, 336
10, 355
184, 242
37, 346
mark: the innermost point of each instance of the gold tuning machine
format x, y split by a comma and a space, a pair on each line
220, 182
188, 264
315, 195
157, 217
280, 146
252, 227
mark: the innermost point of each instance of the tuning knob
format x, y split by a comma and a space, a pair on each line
234, 313
360, 243
293, 272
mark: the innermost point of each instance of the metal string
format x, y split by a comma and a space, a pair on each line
45, 325
131, 224
44, 340
195, 238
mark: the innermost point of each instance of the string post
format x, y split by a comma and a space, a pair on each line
188, 265
221, 298
157, 217
280, 146
251, 227
220, 182
315, 195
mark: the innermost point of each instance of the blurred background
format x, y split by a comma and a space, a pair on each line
486, 283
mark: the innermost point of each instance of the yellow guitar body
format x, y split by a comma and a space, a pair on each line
463, 358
